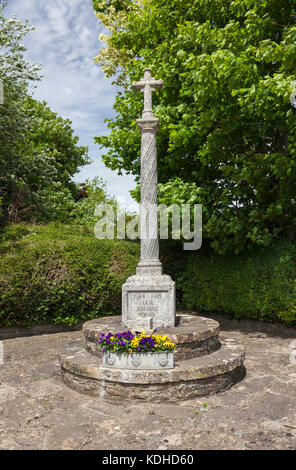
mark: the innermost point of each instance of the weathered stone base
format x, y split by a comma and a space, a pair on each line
205, 375
195, 336
168, 392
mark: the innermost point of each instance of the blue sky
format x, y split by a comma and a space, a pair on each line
64, 42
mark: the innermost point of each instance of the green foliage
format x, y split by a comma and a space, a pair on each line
62, 203
60, 274
52, 136
16, 74
38, 151
40, 165
226, 123
259, 284
84, 209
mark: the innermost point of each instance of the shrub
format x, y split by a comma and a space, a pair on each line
259, 284
61, 274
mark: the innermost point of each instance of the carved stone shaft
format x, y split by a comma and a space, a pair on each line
148, 207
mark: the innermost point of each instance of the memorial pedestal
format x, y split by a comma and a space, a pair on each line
148, 302
203, 364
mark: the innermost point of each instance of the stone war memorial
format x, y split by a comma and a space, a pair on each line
199, 365
148, 298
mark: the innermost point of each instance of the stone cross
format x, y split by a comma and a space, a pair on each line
147, 85
148, 298
148, 126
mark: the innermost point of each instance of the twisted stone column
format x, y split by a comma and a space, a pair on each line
148, 125
149, 262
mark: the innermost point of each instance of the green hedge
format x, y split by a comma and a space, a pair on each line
60, 274
260, 284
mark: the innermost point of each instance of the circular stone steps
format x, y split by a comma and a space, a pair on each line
210, 373
195, 336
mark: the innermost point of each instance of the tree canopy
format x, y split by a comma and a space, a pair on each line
227, 127
39, 152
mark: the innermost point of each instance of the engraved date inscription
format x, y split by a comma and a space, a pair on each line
146, 303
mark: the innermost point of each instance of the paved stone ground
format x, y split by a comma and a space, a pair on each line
37, 411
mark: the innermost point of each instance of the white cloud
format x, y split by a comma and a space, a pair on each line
64, 42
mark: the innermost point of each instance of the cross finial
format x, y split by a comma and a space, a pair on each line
147, 84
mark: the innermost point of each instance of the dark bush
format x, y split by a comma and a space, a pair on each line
257, 284
61, 274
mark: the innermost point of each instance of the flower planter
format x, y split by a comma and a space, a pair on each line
143, 360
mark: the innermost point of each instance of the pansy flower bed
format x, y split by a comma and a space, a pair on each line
127, 350
129, 343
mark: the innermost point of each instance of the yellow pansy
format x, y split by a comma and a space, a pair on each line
135, 342
169, 344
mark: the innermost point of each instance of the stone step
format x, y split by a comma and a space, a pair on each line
215, 372
195, 336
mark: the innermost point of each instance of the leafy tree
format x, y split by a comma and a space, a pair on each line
52, 157
226, 122
42, 163
16, 74
60, 203
39, 153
